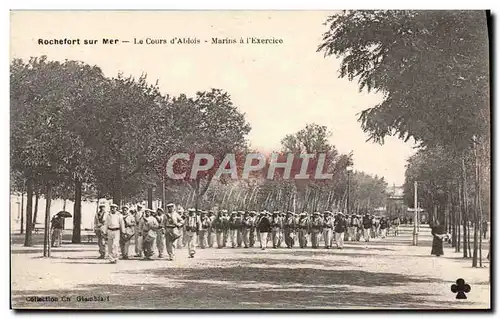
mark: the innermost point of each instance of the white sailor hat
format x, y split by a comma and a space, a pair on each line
102, 204
170, 205
113, 205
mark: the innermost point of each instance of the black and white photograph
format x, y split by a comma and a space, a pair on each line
264, 160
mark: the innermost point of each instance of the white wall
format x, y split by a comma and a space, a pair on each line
56, 205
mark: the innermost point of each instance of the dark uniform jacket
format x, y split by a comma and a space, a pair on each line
340, 225
383, 224
234, 222
367, 222
264, 225
219, 224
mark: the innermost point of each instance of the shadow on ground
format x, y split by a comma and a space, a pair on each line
285, 262
202, 295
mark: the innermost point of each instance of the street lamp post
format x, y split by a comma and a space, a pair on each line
415, 216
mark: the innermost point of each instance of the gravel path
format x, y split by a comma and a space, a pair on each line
386, 273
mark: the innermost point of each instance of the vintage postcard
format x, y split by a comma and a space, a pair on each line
250, 160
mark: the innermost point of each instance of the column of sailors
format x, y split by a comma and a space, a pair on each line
155, 233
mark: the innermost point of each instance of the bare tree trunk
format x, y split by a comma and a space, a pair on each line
22, 212
77, 213
35, 213
464, 207
46, 239
453, 227
29, 213
476, 207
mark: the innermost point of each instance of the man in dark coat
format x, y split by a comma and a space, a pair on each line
264, 227
367, 226
340, 229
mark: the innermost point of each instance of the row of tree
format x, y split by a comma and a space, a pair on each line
432, 69
77, 134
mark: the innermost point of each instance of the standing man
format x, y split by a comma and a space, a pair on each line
211, 230
276, 226
129, 231
226, 228
218, 226
353, 228
348, 221
384, 227
149, 228
281, 235
160, 232
396, 223
367, 226
181, 241
316, 228
253, 225
239, 233
205, 227
100, 230
328, 224
264, 227
115, 226
193, 226
172, 222
340, 229
233, 229
289, 229
245, 229
303, 229
138, 232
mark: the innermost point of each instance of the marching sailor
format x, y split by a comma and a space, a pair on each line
233, 229
340, 228
138, 233
203, 233
264, 227
173, 224
149, 226
276, 226
328, 224
100, 230
129, 231
160, 231
246, 225
252, 232
211, 230
316, 228
303, 229
115, 226
289, 229
219, 225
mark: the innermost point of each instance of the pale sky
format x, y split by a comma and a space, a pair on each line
280, 88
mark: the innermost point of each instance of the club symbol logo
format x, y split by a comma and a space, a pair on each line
460, 288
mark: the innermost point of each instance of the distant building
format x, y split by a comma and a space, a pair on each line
395, 202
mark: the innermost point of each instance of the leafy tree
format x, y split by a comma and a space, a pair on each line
431, 67
209, 124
